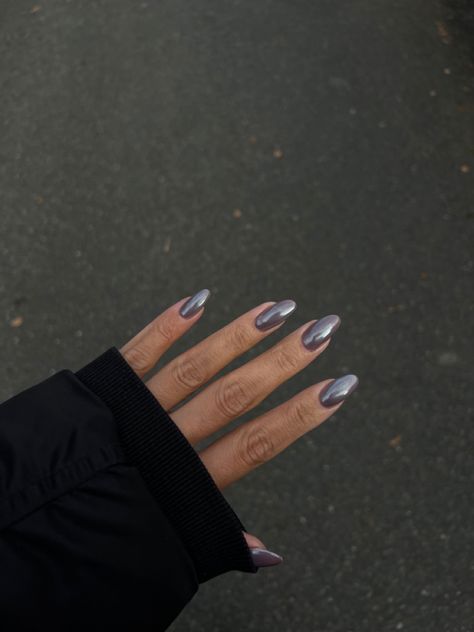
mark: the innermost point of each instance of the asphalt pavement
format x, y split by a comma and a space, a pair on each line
319, 151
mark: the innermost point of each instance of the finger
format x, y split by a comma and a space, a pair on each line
261, 556
144, 350
193, 368
256, 442
253, 541
241, 390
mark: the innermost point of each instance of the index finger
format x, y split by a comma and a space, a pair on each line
253, 443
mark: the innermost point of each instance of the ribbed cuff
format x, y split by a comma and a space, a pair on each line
172, 470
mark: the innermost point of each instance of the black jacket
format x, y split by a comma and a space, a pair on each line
108, 518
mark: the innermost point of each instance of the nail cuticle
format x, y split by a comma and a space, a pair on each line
275, 314
338, 390
194, 304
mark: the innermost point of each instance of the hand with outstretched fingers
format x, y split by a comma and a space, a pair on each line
255, 442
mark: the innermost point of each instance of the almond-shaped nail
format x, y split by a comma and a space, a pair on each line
275, 314
264, 557
338, 390
320, 331
194, 304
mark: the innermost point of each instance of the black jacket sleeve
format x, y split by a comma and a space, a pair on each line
108, 518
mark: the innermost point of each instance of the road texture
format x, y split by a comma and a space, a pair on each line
320, 151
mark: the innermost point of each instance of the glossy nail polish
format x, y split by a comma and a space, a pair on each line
338, 390
264, 557
194, 304
275, 314
320, 331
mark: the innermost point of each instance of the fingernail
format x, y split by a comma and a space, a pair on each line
275, 314
194, 304
320, 331
264, 557
338, 390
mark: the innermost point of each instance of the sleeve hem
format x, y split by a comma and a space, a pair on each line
172, 470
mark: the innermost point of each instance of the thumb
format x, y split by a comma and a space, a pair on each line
261, 556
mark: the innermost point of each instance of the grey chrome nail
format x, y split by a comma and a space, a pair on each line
275, 314
194, 304
338, 390
320, 331
264, 557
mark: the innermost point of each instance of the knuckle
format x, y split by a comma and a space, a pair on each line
286, 360
255, 447
239, 337
139, 358
188, 373
164, 329
300, 415
232, 398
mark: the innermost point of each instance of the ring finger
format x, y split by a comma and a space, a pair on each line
193, 368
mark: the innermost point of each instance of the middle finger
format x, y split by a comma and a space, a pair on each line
244, 388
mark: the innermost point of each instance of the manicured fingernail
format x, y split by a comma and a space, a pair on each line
275, 314
320, 331
338, 390
194, 304
264, 557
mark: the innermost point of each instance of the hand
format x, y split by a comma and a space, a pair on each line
224, 400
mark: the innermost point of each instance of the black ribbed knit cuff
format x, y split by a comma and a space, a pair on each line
207, 525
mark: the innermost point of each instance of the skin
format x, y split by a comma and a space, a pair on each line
257, 441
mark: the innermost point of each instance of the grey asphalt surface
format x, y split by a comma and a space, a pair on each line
343, 132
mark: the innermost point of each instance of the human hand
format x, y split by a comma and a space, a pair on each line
230, 396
